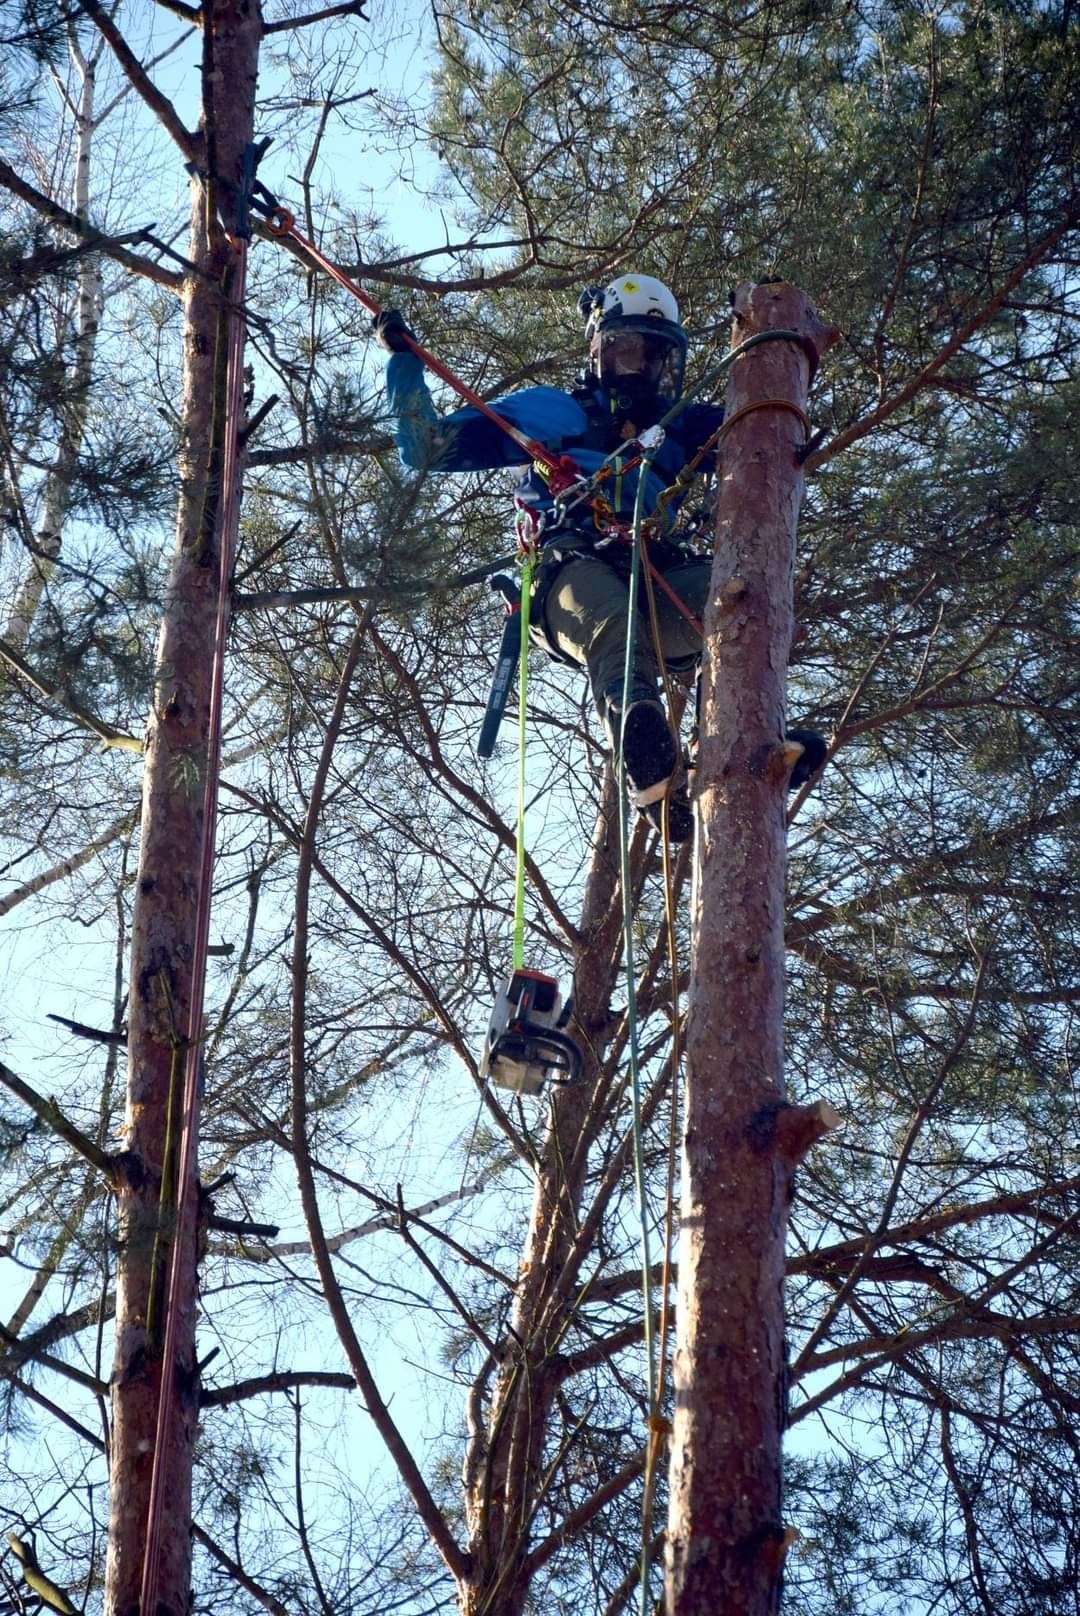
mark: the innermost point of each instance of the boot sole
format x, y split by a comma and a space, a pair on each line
648, 747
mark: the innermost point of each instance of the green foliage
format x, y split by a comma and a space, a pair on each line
901, 165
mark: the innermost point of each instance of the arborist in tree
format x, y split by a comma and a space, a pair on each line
637, 356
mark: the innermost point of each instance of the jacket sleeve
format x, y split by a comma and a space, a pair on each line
467, 440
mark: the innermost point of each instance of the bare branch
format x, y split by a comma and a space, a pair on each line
260, 1385
580, 1517
181, 9
158, 103
349, 8
111, 246
49, 1112
104, 732
237, 1572
1033, 1200
66, 867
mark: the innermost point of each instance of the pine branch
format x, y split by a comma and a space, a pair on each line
158, 103
201, 1536
96, 1035
472, 1324
49, 1592
20, 1350
349, 8
237, 1572
57, 1411
104, 732
313, 597
112, 246
242, 1227
304, 453
1033, 1201
580, 1517
859, 429
187, 13
259, 1385
68, 866
49, 1112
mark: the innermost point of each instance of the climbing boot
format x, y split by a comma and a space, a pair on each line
651, 760
680, 814
814, 748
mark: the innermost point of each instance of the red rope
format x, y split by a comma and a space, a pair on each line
286, 228
680, 605
227, 524
282, 225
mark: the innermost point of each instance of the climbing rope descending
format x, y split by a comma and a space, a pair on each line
518, 959
633, 1051
657, 1423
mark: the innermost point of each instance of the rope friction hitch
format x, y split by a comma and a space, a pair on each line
526, 1046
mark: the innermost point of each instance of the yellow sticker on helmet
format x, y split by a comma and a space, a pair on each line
629, 286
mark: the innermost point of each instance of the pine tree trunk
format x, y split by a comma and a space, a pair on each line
164, 919
725, 1540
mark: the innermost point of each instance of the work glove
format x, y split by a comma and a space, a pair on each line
390, 331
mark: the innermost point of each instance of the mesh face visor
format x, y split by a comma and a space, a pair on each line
642, 353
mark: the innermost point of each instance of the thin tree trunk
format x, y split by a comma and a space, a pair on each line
163, 931
73, 408
726, 1534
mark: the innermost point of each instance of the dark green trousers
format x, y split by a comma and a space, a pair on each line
585, 615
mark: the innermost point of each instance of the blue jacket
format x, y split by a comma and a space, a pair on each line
581, 424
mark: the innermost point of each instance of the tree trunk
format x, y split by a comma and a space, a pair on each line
79, 374
163, 935
726, 1541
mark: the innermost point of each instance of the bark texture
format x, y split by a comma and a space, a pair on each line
726, 1536
164, 919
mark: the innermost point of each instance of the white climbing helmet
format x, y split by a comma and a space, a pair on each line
635, 337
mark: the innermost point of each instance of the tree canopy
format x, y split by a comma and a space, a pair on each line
365, 1208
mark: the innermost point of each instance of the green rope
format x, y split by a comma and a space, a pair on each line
631, 985
523, 688
781, 334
